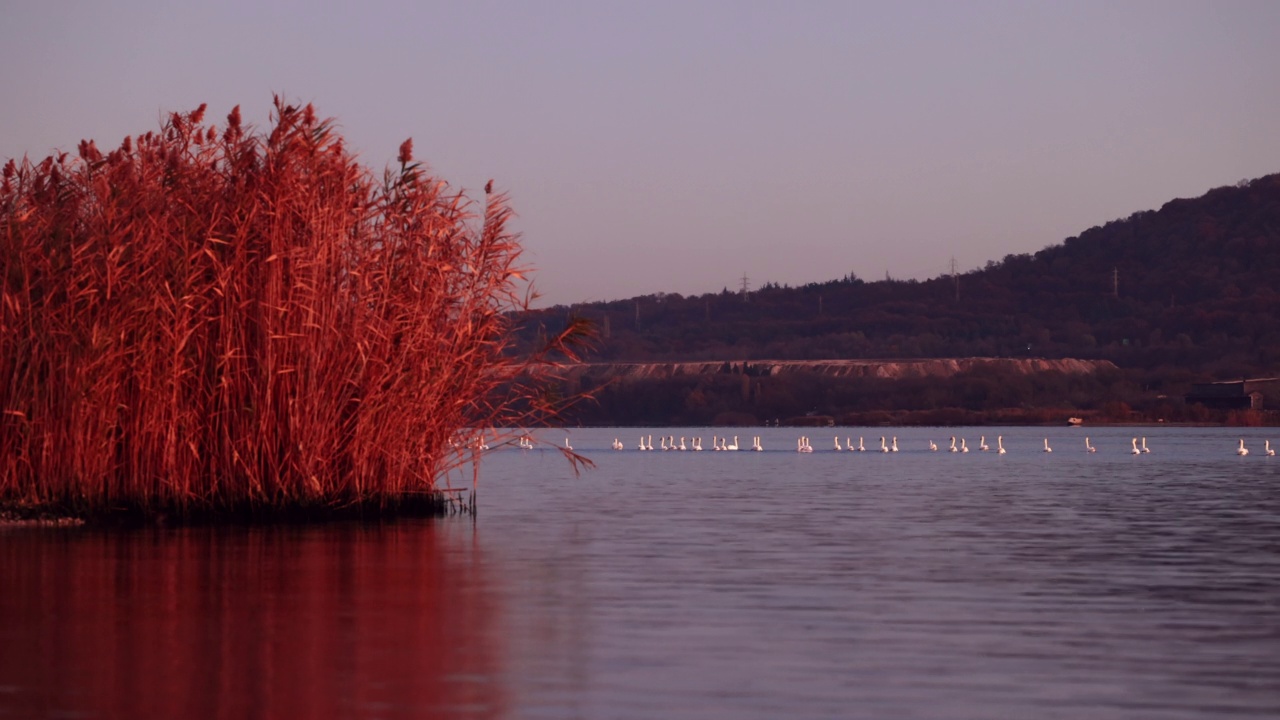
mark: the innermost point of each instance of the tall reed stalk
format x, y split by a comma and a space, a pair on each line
208, 321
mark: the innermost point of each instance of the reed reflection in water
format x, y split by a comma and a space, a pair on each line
743, 585
314, 622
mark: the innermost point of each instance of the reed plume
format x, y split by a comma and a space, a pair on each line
204, 322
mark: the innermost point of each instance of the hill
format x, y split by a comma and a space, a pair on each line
1184, 293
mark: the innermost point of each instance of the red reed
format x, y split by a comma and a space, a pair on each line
204, 322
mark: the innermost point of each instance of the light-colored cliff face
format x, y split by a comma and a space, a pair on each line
888, 369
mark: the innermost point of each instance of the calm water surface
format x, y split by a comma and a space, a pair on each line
697, 585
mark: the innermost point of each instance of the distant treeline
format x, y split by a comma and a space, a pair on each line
983, 396
1182, 294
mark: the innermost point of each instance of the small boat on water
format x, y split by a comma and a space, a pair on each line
1074, 421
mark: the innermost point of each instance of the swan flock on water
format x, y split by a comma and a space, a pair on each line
888, 444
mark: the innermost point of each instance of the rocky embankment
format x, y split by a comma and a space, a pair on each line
887, 369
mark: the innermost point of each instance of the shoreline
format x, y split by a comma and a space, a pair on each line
1094, 423
440, 503
13, 519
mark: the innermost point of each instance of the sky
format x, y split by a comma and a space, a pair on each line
667, 146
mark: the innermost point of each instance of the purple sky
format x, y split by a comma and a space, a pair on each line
674, 146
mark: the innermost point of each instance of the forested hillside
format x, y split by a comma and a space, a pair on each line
1186, 292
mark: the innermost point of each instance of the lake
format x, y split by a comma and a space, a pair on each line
706, 584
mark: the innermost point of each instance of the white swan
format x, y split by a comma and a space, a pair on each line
1242, 450
755, 444
734, 446
883, 447
860, 446
642, 447
682, 447
1145, 449
1046, 446
662, 442
963, 448
838, 448
953, 447
1135, 450
933, 446
848, 444
617, 444
1269, 452
982, 444
894, 446
567, 446
803, 445
650, 443
1000, 445
1087, 446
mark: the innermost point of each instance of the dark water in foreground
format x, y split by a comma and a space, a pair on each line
696, 585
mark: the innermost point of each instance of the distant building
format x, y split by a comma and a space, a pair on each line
1236, 394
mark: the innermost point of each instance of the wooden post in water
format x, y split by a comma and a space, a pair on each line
475, 480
